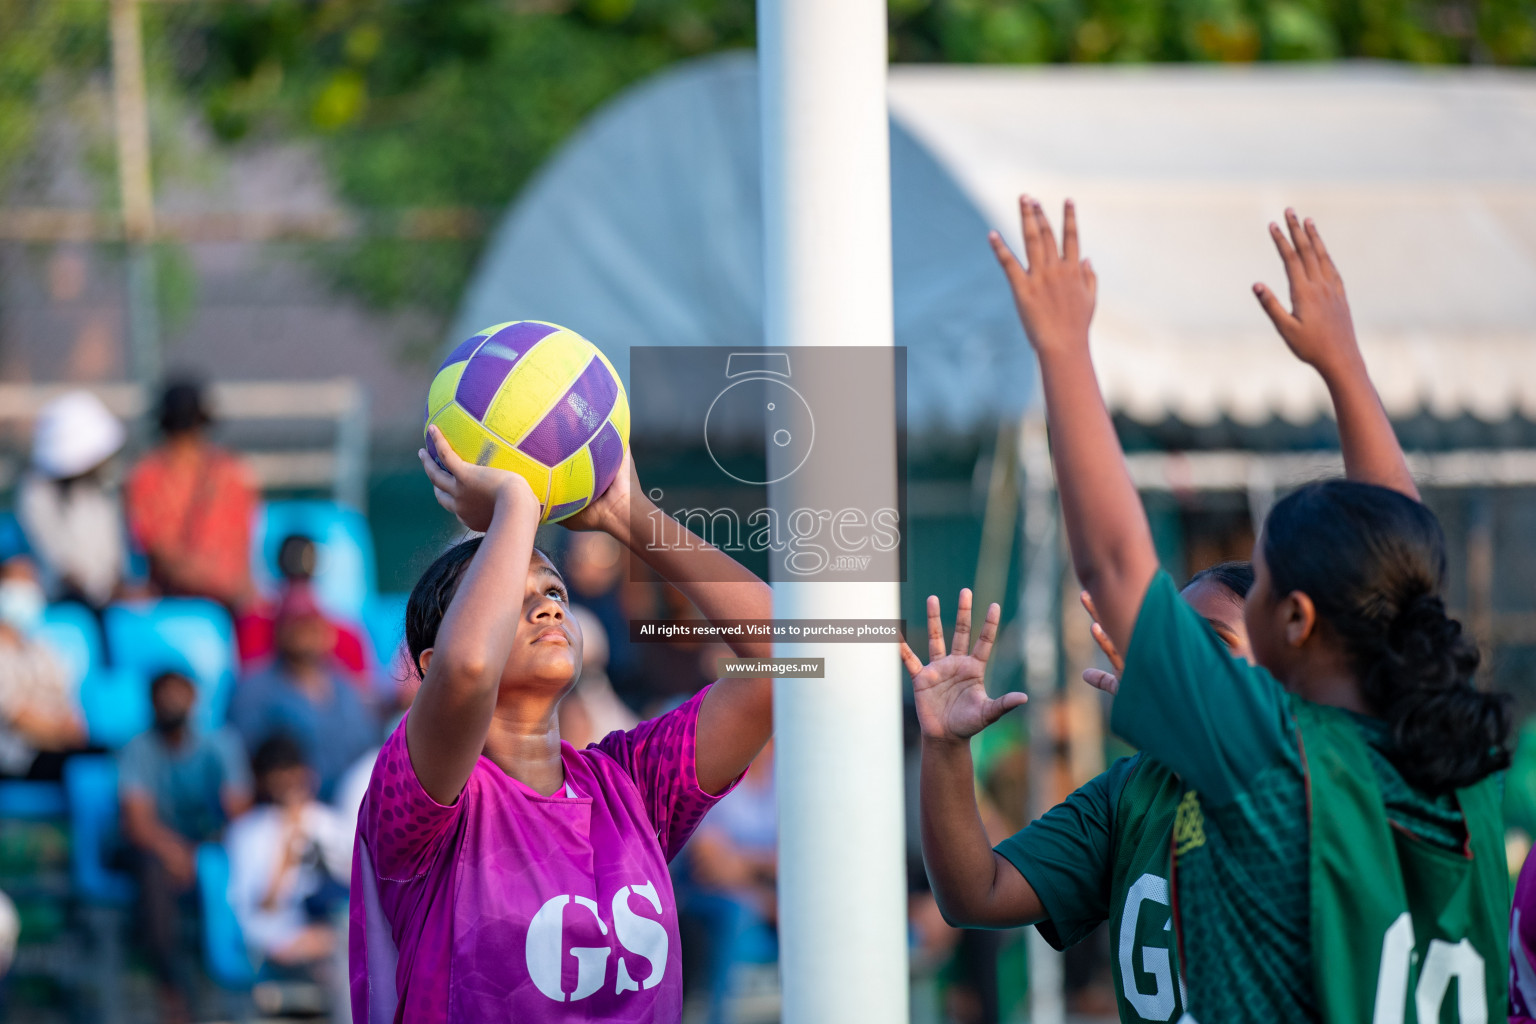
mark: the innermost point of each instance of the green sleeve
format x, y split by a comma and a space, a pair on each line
1065, 856
1213, 719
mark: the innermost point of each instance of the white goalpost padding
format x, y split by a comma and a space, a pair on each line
827, 268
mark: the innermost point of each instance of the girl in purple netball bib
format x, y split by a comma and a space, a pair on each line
499, 873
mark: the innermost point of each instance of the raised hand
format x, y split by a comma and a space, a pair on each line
610, 511
1097, 678
1055, 294
469, 491
1318, 327
952, 701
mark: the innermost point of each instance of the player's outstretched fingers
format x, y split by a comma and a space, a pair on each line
1107, 646
997, 707
1293, 267
1069, 231
983, 649
1101, 680
1012, 268
1324, 259
1278, 314
935, 629
1302, 242
1047, 235
913, 663
962, 641
1034, 244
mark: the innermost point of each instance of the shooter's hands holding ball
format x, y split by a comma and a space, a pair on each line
473, 492
952, 701
611, 511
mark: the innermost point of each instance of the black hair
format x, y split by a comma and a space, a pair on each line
432, 595
277, 753
297, 556
183, 407
1373, 562
1235, 577
163, 679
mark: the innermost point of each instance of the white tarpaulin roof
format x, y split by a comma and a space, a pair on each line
1422, 181
646, 228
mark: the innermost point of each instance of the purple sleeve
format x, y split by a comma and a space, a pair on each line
1522, 944
402, 825
658, 754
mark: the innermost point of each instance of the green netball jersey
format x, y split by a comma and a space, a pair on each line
1242, 887
1402, 930
1103, 855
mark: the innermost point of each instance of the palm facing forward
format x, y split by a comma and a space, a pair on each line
952, 701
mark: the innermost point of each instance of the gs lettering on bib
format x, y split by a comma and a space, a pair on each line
633, 933
1148, 985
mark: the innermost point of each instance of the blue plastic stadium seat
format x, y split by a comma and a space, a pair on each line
185, 634
31, 801
224, 950
72, 632
345, 576
384, 617
90, 783
116, 705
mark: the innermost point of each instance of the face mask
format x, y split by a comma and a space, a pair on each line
21, 604
168, 724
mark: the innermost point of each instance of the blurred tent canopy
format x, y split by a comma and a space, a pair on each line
645, 229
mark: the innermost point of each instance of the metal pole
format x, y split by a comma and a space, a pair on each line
133, 177
827, 270
1038, 606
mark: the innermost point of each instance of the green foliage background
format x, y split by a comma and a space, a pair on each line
431, 103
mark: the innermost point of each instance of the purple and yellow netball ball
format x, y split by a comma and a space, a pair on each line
539, 400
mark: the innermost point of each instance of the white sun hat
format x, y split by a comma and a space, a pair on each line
74, 433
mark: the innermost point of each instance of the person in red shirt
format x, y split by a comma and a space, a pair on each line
256, 628
190, 504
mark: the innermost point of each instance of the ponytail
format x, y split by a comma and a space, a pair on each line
1446, 732
1373, 562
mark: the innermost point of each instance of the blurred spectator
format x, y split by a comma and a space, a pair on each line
66, 504
594, 570
178, 788
729, 879
290, 860
302, 695
38, 719
678, 668
256, 630
190, 505
592, 710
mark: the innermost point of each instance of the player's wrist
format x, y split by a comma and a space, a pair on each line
515, 498
944, 741
622, 520
1340, 361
